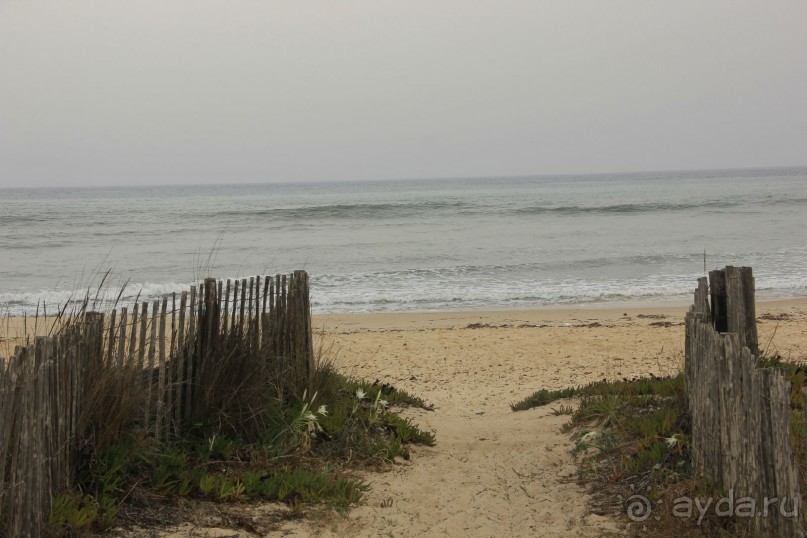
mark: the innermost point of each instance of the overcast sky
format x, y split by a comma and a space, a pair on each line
108, 92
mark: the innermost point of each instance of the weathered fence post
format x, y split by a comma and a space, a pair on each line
8, 388
740, 413
742, 317
717, 290
733, 309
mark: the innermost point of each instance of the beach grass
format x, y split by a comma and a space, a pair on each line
641, 386
631, 441
307, 452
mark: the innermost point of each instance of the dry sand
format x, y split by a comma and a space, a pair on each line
494, 472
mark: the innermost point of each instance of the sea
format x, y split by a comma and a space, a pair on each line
412, 245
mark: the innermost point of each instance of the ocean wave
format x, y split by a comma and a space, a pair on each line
651, 207
344, 211
626, 208
502, 272
473, 287
785, 201
462, 297
20, 220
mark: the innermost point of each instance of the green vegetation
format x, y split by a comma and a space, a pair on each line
631, 437
644, 386
306, 450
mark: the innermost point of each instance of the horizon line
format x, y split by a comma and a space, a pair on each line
400, 179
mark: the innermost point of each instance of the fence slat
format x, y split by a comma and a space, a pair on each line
143, 320
161, 376
717, 285
191, 356
111, 338
226, 310
8, 410
122, 337
255, 321
170, 372
155, 308
181, 357
742, 317
243, 307
236, 287
133, 338
18, 469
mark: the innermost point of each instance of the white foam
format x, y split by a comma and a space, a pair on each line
104, 299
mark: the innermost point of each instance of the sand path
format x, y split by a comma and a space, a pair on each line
495, 472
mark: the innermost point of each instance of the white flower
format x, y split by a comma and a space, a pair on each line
674, 440
311, 422
590, 437
322, 410
360, 394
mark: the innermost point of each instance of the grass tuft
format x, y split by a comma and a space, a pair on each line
644, 386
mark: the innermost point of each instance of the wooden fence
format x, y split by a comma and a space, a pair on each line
161, 356
741, 432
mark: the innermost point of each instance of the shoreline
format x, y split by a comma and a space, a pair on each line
552, 314
641, 302
12, 326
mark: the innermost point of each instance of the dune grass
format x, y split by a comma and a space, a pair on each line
631, 438
307, 450
643, 386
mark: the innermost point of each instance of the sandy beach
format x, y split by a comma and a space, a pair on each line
494, 472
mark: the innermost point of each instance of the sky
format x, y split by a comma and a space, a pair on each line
107, 92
